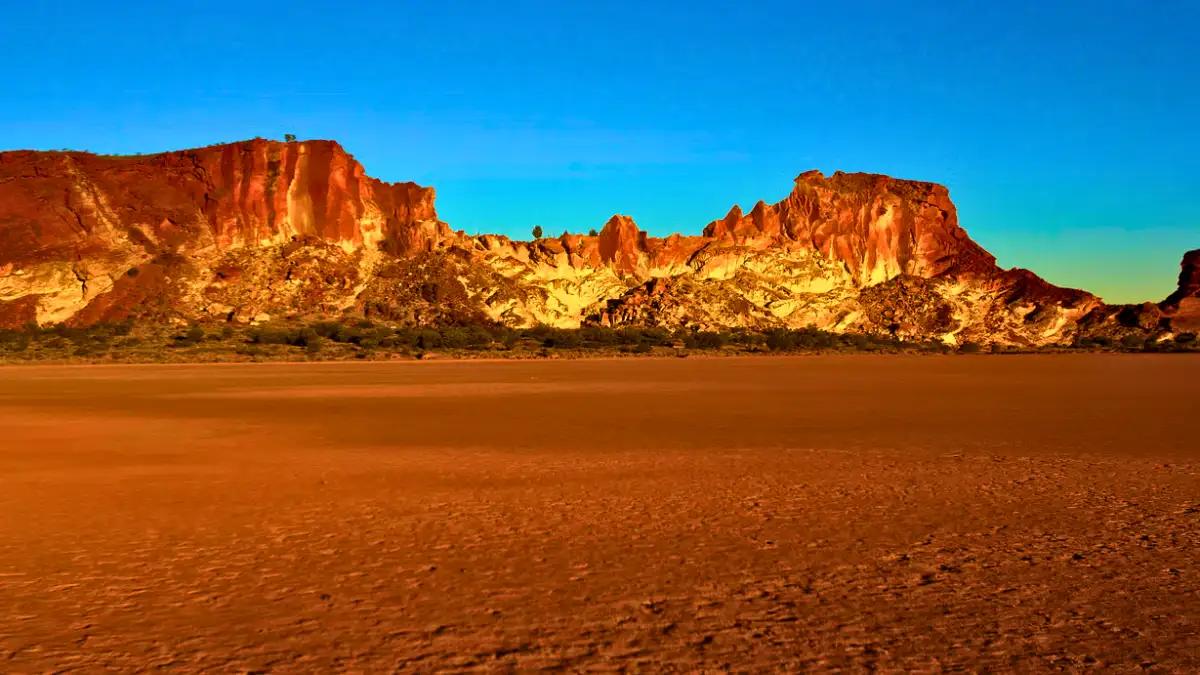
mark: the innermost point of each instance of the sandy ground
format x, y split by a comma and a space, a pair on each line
896, 514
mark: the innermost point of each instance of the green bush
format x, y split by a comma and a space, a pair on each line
563, 339
347, 334
1133, 342
268, 337
780, 340
304, 337
406, 337
857, 341
455, 338
598, 336
429, 339
969, 348
480, 338
326, 329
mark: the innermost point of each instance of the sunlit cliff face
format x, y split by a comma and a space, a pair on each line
232, 232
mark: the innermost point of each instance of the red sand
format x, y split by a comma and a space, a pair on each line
762, 514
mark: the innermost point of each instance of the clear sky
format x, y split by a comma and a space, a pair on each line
1066, 130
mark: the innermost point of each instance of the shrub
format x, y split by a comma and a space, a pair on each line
1133, 342
455, 338
598, 336
643, 348
195, 334
16, 341
268, 337
704, 340
780, 340
347, 334
657, 336
304, 337
565, 339
479, 337
226, 332
429, 339
969, 348
1185, 338
326, 329
406, 337
629, 336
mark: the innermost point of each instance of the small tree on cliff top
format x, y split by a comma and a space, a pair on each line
289, 138
537, 231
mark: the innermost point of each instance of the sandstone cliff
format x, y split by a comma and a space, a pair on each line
233, 232
84, 237
1182, 307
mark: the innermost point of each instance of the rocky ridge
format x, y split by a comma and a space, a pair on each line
260, 229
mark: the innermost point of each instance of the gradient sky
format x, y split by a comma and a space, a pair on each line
1066, 130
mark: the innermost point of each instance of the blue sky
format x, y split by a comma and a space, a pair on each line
1065, 130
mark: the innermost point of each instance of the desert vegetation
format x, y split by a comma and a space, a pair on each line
351, 338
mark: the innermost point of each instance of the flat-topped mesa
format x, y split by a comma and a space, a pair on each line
879, 227
266, 189
224, 196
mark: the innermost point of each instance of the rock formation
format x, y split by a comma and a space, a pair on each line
84, 237
239, 231
1182, 307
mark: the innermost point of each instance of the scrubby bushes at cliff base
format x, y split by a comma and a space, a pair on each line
366, 339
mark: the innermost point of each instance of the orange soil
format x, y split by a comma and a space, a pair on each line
762, 514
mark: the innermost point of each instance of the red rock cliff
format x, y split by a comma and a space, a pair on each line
880, 227
1183, 306
69, 205
1189, 279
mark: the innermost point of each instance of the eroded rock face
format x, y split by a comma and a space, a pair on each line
879, 227
72, 225
289, 229
1183, 306
1189, 279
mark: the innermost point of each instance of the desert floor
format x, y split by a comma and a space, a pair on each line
991, 513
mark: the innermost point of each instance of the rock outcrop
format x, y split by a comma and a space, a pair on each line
232, 232
75, 227
1182, 308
